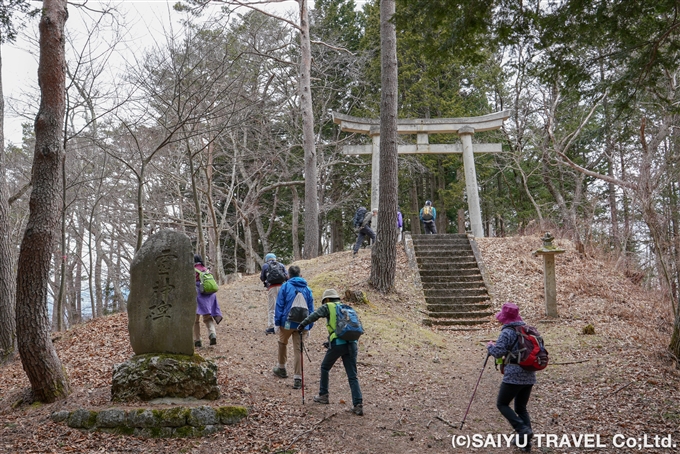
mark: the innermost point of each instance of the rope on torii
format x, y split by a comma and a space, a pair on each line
465, 128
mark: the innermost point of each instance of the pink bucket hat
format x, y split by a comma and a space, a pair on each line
509, 313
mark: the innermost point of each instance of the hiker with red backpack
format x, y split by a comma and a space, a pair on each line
521, 359
273, 275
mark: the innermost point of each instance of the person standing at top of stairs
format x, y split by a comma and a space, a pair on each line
428, 214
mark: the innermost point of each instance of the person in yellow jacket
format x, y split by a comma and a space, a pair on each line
338, 348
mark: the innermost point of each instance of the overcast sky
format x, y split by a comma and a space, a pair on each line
146, 21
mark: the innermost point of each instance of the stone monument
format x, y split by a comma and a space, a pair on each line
162, 302
548, 251
161, 313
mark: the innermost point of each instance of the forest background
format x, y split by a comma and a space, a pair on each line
202, 132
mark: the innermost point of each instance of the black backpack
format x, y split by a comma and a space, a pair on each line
276, 273
359, 216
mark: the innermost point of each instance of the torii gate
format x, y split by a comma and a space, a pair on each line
464, 127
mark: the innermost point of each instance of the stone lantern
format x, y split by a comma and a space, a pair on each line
548, 252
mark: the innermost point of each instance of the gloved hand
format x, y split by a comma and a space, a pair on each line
277, 329
326, 345
300, 328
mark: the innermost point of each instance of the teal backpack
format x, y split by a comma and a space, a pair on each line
208, 283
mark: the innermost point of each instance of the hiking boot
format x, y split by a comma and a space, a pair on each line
520, 440
358, 410
213, 339
198, 343
297, 383
269, 331
281, 373
321, 399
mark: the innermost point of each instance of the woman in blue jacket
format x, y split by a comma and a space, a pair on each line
285, 327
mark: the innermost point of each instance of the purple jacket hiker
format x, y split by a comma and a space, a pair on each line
206, 308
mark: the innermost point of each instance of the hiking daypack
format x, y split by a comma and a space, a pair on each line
359, 216
528, 350
276, 273
208, 283
427, 213
347, 324
299, 310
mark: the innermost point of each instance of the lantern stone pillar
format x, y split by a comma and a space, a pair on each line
548, 251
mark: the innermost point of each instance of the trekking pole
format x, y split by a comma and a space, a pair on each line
302, 367
474, 392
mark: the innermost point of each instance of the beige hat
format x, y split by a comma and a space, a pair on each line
329, 293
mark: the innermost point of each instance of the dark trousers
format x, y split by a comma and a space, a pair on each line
519, 418
363, 233
430, 227
348, 353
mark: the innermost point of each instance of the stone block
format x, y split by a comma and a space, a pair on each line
231, 414
202, 416
112, 417
60, 416
142, 418
148, 377
82, 419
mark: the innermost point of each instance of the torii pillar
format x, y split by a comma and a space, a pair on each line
464, 127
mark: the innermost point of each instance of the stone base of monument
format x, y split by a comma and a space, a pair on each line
153, 423
155, 375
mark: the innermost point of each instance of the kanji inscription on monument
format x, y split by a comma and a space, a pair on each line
161, 304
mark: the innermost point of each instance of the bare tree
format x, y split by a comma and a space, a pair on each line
384, 255
7, 283
38, 356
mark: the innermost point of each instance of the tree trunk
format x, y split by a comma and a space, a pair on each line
76, 312
8, 333
295, 224
414, 206
38, 356
200, 243
59, 303
311, 248
384, 254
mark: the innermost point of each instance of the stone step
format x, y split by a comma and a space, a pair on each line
457, 299
448, 285
441, 235
441, 258
460, 315
458, 292
442, 246
449, 279
459, 282
453, 265
435, 275
449, 322
458, 307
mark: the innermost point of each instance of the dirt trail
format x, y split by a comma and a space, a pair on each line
410, 375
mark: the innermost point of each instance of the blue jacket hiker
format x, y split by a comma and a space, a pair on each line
285, 328
517, 382
337, 348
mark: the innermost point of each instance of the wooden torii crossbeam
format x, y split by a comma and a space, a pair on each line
423, 127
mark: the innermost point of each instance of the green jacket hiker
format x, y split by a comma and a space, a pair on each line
338, 348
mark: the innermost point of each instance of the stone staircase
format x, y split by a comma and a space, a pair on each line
453, 284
